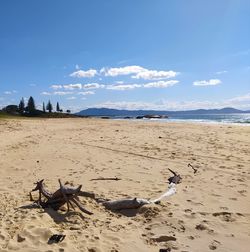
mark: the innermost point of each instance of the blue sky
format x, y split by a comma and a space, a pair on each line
133, 54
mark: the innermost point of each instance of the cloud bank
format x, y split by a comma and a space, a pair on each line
211, 82
84, 74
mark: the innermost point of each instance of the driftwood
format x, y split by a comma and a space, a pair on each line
68, 195
194, 169
125, 204
115, 178
64, 195
176, 179
137, 203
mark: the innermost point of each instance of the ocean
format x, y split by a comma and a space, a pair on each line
211, 118
242, 119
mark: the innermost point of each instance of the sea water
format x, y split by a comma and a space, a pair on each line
242, 119
211, 118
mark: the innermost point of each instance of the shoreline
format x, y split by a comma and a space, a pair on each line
182, 121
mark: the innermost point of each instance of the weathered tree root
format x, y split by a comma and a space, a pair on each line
64, 195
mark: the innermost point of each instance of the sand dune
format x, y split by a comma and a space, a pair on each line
211, 210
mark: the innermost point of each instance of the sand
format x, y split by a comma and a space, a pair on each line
211, 210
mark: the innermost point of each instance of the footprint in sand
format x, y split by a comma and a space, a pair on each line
163, 238
203, 227
214, 244
242, 192
224, 216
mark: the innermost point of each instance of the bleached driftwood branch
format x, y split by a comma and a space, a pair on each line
137, 202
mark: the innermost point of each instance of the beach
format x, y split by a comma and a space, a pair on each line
210, 211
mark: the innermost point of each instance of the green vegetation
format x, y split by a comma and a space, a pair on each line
20, 111
44, 110
21, 106
31, 107
49, 107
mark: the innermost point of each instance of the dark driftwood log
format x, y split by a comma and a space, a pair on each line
194, 169
115, 178
64, 195
176, 179
87, 194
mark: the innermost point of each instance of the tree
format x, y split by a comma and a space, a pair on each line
68, 111
58, 107
44, 110
11, 109
31, 107
21, 106
49, 107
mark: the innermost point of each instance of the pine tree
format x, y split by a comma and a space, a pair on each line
21, 106
44, 110
31, 107
58, 107
49, 107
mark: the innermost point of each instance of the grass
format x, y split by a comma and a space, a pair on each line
8, 116
4, 115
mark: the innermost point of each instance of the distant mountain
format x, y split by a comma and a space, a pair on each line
134, 113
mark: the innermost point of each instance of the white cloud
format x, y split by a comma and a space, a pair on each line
221, 72
211, 82
7, 92
73, 86
155, 75
71, 98
84, 74
77, 67
121, 70
45, 93
57, 93
93, 86
123, 87
32, 85
243, 98
139, 73
62, 93
56, 86
161, 84
86, 93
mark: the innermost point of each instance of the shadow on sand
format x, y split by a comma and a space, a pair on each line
57, 216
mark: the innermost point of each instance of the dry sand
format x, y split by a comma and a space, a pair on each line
211, 210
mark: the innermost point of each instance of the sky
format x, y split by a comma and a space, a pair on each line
133, 54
